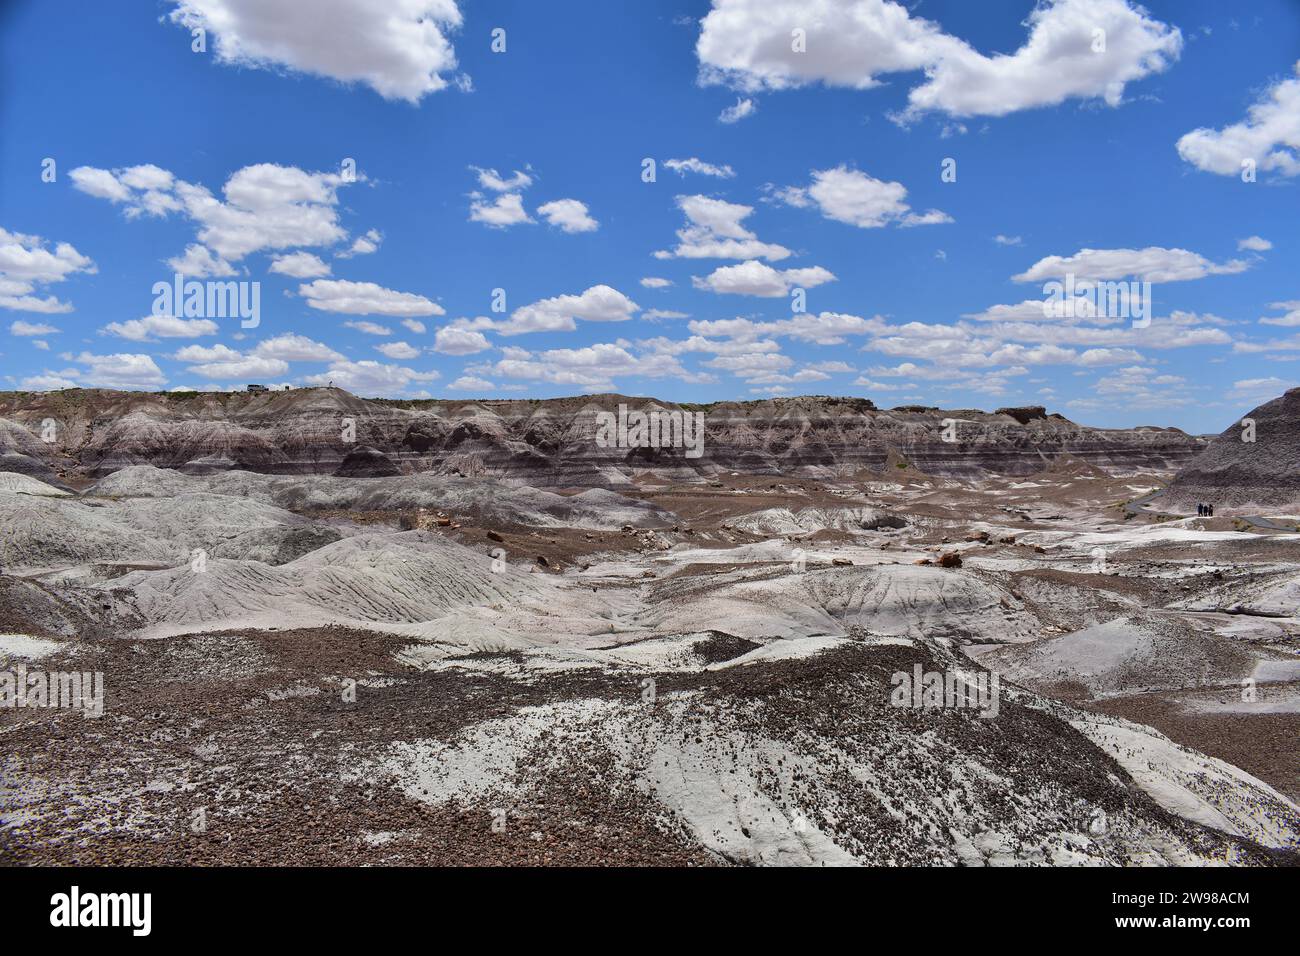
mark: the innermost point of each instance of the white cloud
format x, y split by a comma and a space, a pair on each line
864, 382
244, 367
1058, 61
1092, 357
491, 179
592, 369
399, 48
655, 282
747, 44
414, 325
1080, 307
1002, 240
49, 382
295, 348
1154, 264
600, 303
1290, 318
120, 370
300, 265
398, 350
100, 183
1256, 390
853, 197
455, 341
1137, 386
734, 114
507, 209
828, 328
365, 298
220, 362
368, 328
19, 327
694, 165
144, 190
26, 262
1269, 135
759, 279
471, 384
266, 207
714, 231
1254, 244
368, 377
570, 215
199, 262
154, 327
363, 245
751, 365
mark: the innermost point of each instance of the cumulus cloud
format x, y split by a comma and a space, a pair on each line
569, 215
506, 209
1153, 264
1269, 136
590, 369
491, 179
154, 327
1254, 244
49, 381
600, 303
27, 262
199, 262
368, 328
295, 348
120, 370
19, 327
266, 207
369, 377
742, 108
1076, 49
747, 44
398, 48
854, 197
398, 350
300, 265
145, 190
1290, 316
220, 362
714, 230
747, 336
1137, 386
450, 340
1253, 391
695, 165
365, 298
1081, 308
362, 245
759, 279
470, 383
655, 282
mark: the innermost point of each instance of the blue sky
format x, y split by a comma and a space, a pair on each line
1090, 137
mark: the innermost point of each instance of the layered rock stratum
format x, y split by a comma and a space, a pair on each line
78, 433
1255, 462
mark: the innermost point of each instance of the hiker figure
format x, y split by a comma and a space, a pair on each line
1211, 507
1200, 510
